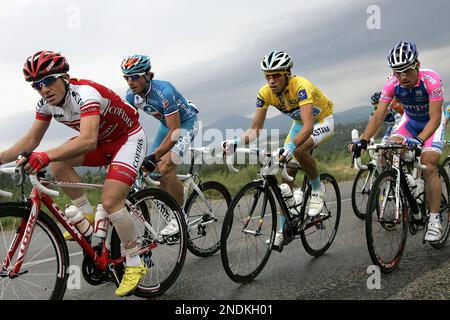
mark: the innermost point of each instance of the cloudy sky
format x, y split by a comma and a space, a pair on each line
210, 50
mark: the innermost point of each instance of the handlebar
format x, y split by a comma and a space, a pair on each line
6, 194
33, 178
265, 158
36, 184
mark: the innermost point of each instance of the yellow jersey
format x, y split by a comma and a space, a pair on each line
299, 92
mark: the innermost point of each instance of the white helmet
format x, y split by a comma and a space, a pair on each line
276, 60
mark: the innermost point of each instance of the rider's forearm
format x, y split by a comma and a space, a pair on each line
372, 128
26, 143
250, 135
169, 141
72, 148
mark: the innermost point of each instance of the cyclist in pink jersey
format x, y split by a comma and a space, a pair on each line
422, 125
109, 133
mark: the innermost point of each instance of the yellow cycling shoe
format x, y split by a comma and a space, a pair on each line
130, 279
89, 216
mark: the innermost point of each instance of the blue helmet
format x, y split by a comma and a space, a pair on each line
135, 63
403, 56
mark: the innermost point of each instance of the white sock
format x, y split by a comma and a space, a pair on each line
83, 204
126, 230
133, 260
434, 217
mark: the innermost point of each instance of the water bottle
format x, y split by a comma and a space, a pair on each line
411, 182
289, 198
413, 187
298, 196
78, 220
418, 191
101, 222
355, 134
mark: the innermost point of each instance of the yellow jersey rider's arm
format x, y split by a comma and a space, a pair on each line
173, 124
27, 143
254, 131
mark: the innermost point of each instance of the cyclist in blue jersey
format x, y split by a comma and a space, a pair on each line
178, 117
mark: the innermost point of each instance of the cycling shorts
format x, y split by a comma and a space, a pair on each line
188, 129
409, 128
124, 156
322, 131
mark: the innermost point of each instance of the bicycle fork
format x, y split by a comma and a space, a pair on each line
247, 220
22, 236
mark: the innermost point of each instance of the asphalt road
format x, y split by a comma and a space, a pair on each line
343, 272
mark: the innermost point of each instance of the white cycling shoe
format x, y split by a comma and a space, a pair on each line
316, 204
278, 242
434, 232
171, 228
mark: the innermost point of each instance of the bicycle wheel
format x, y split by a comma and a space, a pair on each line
166, 259
319, 234
386, 237
360, 191
205, 216
444, 208
446, 165
250, 220
43, 274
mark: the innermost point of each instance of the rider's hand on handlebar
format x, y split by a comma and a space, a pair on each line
229, 146
33, 162
285, 153
149, 164
413, 143
357, 146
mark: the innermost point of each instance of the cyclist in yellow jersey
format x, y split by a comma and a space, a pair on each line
313, 123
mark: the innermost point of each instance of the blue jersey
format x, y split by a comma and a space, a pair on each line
162, 100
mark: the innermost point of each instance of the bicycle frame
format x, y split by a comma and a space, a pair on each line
26, 229
397, 165
271, 184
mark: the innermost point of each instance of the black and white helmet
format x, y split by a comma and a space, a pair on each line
276, 60
403, 56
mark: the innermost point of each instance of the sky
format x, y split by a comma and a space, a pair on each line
211, 50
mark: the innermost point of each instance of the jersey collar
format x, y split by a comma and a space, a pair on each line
148, 90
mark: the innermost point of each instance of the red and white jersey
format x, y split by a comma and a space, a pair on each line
86, 98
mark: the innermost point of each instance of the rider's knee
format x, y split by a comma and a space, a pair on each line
167, 169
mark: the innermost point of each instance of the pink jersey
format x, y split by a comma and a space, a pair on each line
415, 101
86, 98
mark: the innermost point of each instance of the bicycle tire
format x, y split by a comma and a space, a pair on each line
9, 213
203, 247
228, 232
373, 216
360, 212
446, 165
444, 209
164, 273
326, 224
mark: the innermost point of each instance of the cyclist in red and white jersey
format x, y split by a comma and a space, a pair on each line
109, 134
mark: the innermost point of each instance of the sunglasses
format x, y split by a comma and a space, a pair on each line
274, 75
405, 72
133, 77
47, 81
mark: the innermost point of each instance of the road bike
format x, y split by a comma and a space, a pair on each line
205, 206
35, 257
251, 219
396, 206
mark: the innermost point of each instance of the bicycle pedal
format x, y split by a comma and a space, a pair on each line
278, 248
